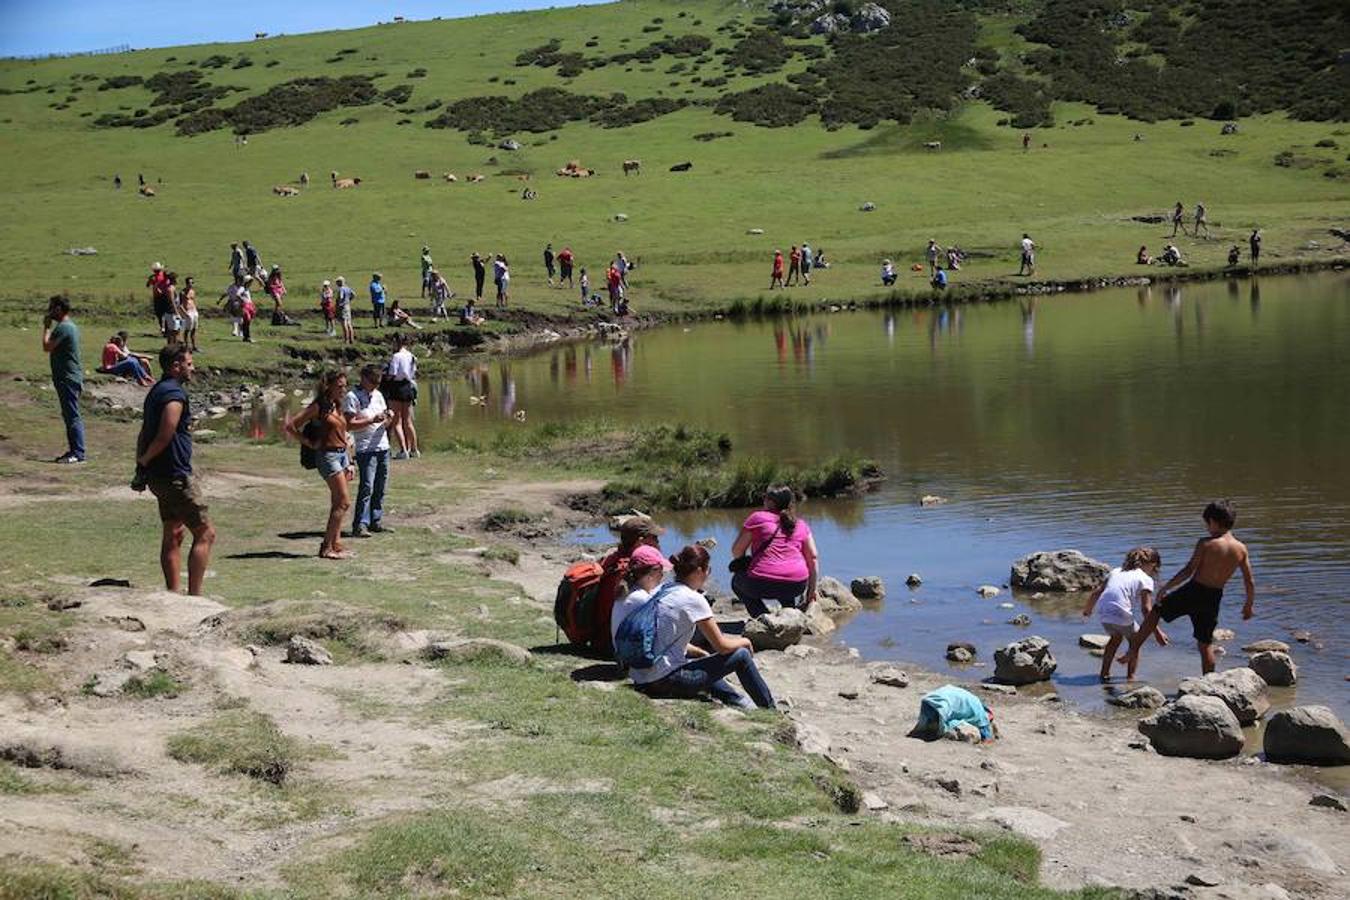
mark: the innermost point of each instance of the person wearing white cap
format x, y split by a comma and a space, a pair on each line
342, 303
161, 295
326, 307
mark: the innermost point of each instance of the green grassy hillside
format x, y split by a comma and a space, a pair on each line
1075, 191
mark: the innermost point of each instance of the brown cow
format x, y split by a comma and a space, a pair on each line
632, 165
286, 190
421, 174
147, 191
344, 183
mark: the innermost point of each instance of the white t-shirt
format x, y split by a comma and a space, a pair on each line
1116, 604
372, 437
402, 366
681, 609
625, 606
1028, 245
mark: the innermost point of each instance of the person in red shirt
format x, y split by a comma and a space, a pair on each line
118, 360
794, 266
777, 278
615, 282
160, 293
565, 260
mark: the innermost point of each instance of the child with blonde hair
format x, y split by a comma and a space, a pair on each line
1125, 587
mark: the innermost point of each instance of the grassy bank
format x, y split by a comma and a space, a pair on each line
550, 787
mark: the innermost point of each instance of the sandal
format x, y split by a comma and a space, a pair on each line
336, 554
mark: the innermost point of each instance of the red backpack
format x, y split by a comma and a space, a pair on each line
585, 600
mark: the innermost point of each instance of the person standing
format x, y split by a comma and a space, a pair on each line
158, 283
1026, 141
187, 302
1178, 219
232, 299
332, 454
548, 262
1028, 266
253, 266
368, 419
326, 307
61, 341
807, 262
1201, 219
932, 254
378, 296
164, 464
565, 260
275, 288
776, 278
343, 301
401, 378
236, 261
585, 288
1255, 243
440, 296
427, 267
501, 275
479, 276
794, 266
614, 281
623, 265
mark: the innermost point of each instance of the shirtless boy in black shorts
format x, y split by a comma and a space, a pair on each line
1211, 565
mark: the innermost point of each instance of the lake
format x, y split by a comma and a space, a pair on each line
1094, 421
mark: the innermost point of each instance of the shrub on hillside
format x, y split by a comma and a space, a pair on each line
118, 82
1024, 98
292, 103
771, 105
761, 51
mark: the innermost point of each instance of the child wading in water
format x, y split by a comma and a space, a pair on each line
1214, 561
1115, 600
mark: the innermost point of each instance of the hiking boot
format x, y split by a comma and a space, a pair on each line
66, 459
380, 528
362, 532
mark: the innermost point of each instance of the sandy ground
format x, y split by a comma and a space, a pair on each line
1104, 808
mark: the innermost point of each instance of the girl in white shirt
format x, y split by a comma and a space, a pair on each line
400, 389
1115, 600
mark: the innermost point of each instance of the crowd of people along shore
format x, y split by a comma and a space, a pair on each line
662, 633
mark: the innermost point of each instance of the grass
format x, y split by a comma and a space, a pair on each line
153, 684
502, 553
240, 742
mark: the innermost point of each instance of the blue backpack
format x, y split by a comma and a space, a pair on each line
635, 641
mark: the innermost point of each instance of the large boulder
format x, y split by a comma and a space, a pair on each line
1241, 689
1024, 662
776, 630
1198, 726
870, 17
818, 622
1307, 734
302, 651
1275, 668
1058, 570
834, 599
1265, 644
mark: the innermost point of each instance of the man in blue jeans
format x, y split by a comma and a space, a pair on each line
368, 419
61, 341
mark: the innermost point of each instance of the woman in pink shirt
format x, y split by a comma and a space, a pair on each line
783, 564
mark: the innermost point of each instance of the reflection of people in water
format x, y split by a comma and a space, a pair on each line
620, 356
1029, 325
508, 390
570, 365
1254, 298
1144, 294
588, 364
889, 326
780, 343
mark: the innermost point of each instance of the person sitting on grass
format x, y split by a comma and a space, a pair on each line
1171, 256
887, 272
399, 317
1142, 258
646, 569
1114, 601
469, 314
940, 279
1234, 255
682, 670
119, 361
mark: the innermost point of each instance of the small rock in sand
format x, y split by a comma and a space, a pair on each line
108, 684
1329, 801
1024, 662
303, 651
776, 630
801, 651
810, 739
994, 688
914, 579
1275, 668
987, 590
890, 677
1029, 823
1204, 878
1093, 641
1263, 646
850, 693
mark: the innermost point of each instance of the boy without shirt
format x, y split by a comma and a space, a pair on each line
1214, 561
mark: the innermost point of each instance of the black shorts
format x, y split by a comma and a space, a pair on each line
399, 391
1199, 602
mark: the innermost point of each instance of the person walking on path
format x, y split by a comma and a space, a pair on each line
343, 300
1201, 219
807, 262
1178, 219
236, 261
427, 267
61, 342
368, 419
253, 266
548, 262
794, 266
565, 260
378, 295
1028, 266
440, 296
400, 378
1255, 243
783, 564
776, 278
164, 464
479, 276
333, 456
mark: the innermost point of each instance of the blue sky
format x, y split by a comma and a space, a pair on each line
30, 27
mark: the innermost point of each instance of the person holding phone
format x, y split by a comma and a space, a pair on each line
61, 342
368, 421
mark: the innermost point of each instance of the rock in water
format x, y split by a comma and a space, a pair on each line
1224, 634
870, 587
1242, 689
776, 630
1275, 668
1093, 641
1140, 698
1024, 662
914, 579
1307, 734
305, 652
1021, 620
987, 591
959, 655
1197, 726
1264, 645
834, 599
1058, 570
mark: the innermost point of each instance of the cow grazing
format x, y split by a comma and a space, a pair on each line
421, 174
286, 190
147, 191
304, 179
933, 145
344, 183
682, 167
450, 178
632, 165
475, 178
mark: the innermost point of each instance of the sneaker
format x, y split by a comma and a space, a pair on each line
417, 454
67, 459
381, 528
363, 532
402, 454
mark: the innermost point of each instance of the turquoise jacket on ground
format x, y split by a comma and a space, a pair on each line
949, 706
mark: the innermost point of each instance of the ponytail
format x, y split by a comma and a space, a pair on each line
689, 560
1140, 556
781, 498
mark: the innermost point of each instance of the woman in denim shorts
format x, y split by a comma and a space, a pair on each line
322, 427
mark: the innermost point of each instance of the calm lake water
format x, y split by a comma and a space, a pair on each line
1094, 421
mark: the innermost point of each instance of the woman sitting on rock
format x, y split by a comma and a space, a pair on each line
783, 564
682, 670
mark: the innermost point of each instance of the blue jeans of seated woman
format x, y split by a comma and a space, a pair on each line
129, 367
754, 591
707, 675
